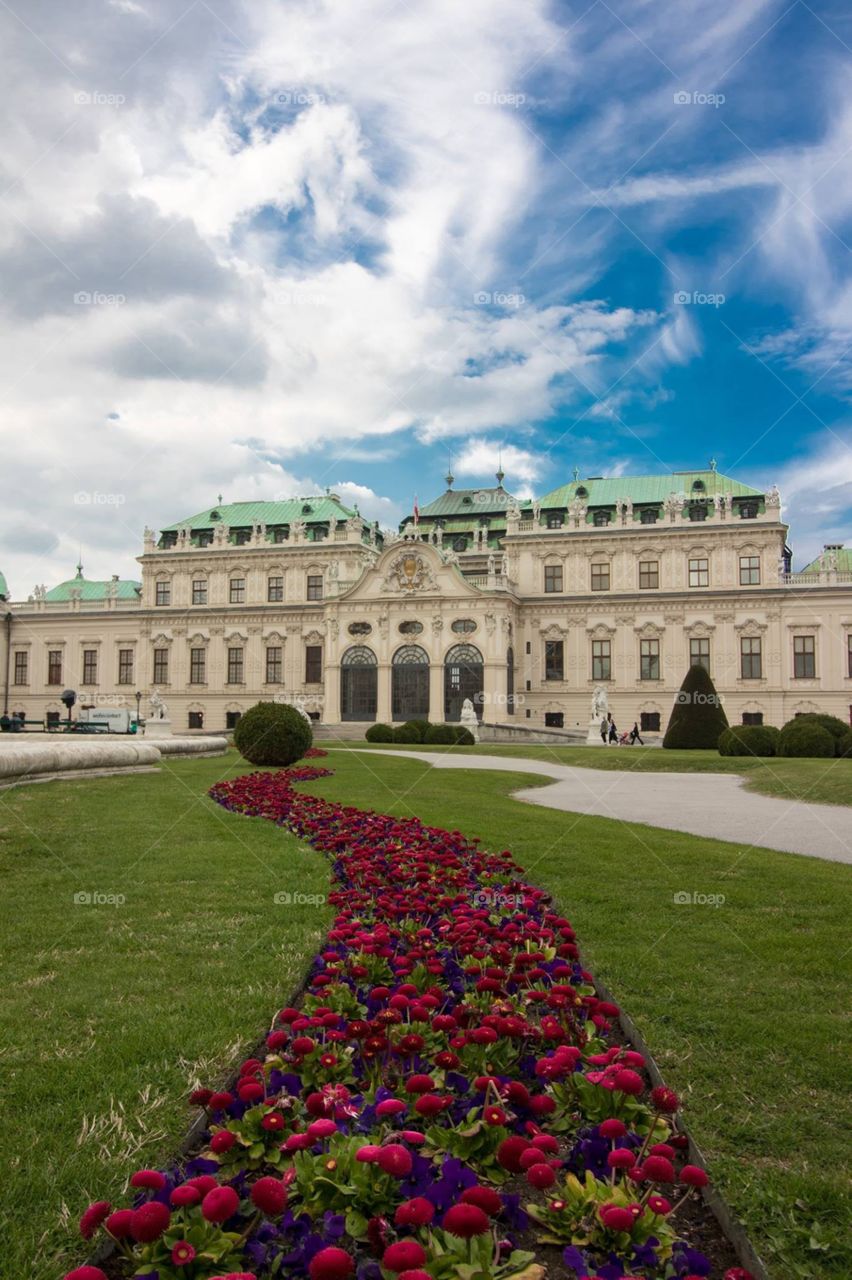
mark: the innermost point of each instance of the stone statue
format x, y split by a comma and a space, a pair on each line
158, 706
600, 703
469, 720
536, 510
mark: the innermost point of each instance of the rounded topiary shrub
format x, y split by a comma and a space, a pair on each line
698, 717
272, 733
463, 737
832, 725
420, 727
441, 735
802, 737
379, 733
748, 740
406, 733
845, 745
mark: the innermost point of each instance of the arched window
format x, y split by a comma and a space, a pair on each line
510, 681
358, 684
410, 683
463, 678
410, 628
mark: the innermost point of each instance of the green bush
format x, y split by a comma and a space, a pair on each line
802, 737
832, 724
421, 728
449, 735
748, 740
697, 718
406, 733
379, 733
463, 737
272, 733
845, 745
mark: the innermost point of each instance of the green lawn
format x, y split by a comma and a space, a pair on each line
745, 1006
113, 1010
817, 781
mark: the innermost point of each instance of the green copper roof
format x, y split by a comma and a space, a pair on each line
4, 590
124, 589
469, 502
603, 491
843, 560
243, 514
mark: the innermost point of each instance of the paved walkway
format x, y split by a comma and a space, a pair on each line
703, 804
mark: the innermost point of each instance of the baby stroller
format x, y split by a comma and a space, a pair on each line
624, 739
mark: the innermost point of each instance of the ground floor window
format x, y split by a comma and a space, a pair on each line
196, 719
197, 666
649, 659
510, 681
752, 717
125, 666
274, 672
232, 719
161, 666
554, 660
52, 718
554, 719
313, 664
90, 666
649, 721
235, 666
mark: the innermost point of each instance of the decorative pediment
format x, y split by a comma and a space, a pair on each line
600, 632
553, 632
162, 638
236, 634
198, 639
649, 631
408, 572
751, 627
699, 628
313, 637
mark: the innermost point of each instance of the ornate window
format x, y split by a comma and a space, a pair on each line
163, 592
649, 659
463, 626
313, 663
275, 588
601, 518
699, 652
21, 667
314, 586
752, 717
555, 520
553, 577
90, 666
648, 515
649, 575
554, 660
699, 572
649, 721
274, 664
410, 683
236, 658
232, 719
198, 666
749, 571
748, 510
195, 720
161, 666
54, 666
237, 591
242, 537
751, 657
601, 660
411, 628
463, 679
697, 511
358, 684
361, 628
554, 719
199, 591
849, 654
804, 657
600, 576
460, 544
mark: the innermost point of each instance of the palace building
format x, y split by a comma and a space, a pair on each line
525, 606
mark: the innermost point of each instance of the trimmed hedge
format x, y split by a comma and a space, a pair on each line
421, 728
406, 733
379, 733
802, 737
749, 740
449, 735
272, 733
832, 725
845, 745
698, 718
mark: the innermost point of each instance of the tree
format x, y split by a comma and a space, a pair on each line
698, 718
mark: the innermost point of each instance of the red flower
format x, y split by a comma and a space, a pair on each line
150, 1179
219, 1101
419, 1084
484, 1198
692, 1176
93, 1217
331, 1264
510, 1151
627, 1081
220, 1204
118, 1223
621, 1159
615, 1218
319, 1129
494, 1115
541, 1176
613, 1129
415, 1213
149, 1221
664, 1100
85, 1273
466, 1221
658, 1169
395, 1160
368, 1154
390, 1107
270, 1196
222, 1141
403, 1255
660, 1205
733, 1273
274, 1122
182, 1253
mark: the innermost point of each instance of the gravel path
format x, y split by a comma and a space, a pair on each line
703, 804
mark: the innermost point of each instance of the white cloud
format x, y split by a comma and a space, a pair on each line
479, 458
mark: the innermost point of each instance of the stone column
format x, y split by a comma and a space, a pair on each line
383, 694
331, 694
436, 692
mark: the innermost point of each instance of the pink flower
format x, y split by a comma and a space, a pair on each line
94, 1216
182, 1253
220, 1204
466, 1221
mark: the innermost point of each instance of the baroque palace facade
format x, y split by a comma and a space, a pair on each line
524, 606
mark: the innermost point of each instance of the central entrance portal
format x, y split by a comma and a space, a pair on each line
358, 684
410, 683
463, 678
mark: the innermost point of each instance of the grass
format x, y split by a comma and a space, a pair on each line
743, 1005
816, 781
112, 1011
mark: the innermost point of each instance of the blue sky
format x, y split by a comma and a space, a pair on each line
261, 249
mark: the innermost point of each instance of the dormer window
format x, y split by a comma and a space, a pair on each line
554, 520
459, 544
242, 536
698, 486
306, 508
601, 518
748, 510
697, 511
582, 492
214, 515
648, 516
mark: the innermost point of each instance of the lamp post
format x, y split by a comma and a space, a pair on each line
69, 697
138, 701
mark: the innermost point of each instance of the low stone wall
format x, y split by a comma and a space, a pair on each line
519, 733
43, 757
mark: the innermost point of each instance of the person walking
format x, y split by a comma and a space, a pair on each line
604, 729
613, 732
634, 735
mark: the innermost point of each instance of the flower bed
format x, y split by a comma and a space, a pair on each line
451, 1100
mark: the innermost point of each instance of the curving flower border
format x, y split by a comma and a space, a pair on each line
451, 1059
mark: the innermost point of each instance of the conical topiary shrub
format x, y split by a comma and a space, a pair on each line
698, 717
